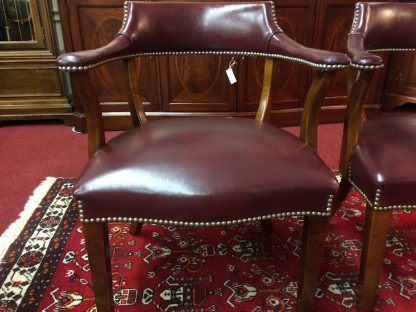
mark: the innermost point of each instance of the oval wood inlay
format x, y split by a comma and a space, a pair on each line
198, 74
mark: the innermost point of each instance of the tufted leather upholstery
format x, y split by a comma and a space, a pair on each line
204, 170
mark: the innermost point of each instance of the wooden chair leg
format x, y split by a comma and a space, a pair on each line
313, 238
267, 226
375, 235
96, 238
135, 228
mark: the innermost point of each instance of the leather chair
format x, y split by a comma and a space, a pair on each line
378, 154
207, 171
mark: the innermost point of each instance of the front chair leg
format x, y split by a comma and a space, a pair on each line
313, 238
375, 235
96, 239
135, 228
267, 226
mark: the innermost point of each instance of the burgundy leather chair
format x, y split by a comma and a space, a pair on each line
206, 171
381, 166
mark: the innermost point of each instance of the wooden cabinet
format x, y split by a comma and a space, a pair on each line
30, 84
196, 84
184, 85
401, 80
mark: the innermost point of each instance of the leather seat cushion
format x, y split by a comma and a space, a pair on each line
385, 159
204, 169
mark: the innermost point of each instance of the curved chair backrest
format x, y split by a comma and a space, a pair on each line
385, 26
195, 28
169, 28
380, 26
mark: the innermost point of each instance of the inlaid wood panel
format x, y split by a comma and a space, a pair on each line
401, 80
94, 24
196, 84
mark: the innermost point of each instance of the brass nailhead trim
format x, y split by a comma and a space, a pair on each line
366, 67
323, 67
356, 19
209, 223
274, 16
393, 49
376, 203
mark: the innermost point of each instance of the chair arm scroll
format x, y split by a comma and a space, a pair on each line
361, 58
280, 44
118, 48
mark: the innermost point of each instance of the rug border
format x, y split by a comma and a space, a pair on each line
15, 228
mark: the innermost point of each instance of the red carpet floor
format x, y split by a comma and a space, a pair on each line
29, 152
235, 268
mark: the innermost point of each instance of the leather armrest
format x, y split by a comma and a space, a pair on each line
281, 44
360, 58
119, 47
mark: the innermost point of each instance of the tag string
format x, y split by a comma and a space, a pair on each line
232, 63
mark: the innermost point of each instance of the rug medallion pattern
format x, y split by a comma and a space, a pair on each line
233, 268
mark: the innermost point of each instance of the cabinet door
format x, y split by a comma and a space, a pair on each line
94, 24
401, 81
196, 84
332, 28
289, 79
30, 83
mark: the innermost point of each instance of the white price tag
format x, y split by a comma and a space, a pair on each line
231, 76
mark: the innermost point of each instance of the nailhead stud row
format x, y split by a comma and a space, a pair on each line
357, 14
366, 67
204, 224
323, 67
376, 203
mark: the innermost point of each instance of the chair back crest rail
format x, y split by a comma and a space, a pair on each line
190, 28
371, 32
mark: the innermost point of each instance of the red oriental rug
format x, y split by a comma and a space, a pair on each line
235, 268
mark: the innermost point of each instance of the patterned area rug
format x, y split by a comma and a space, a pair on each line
236, 268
